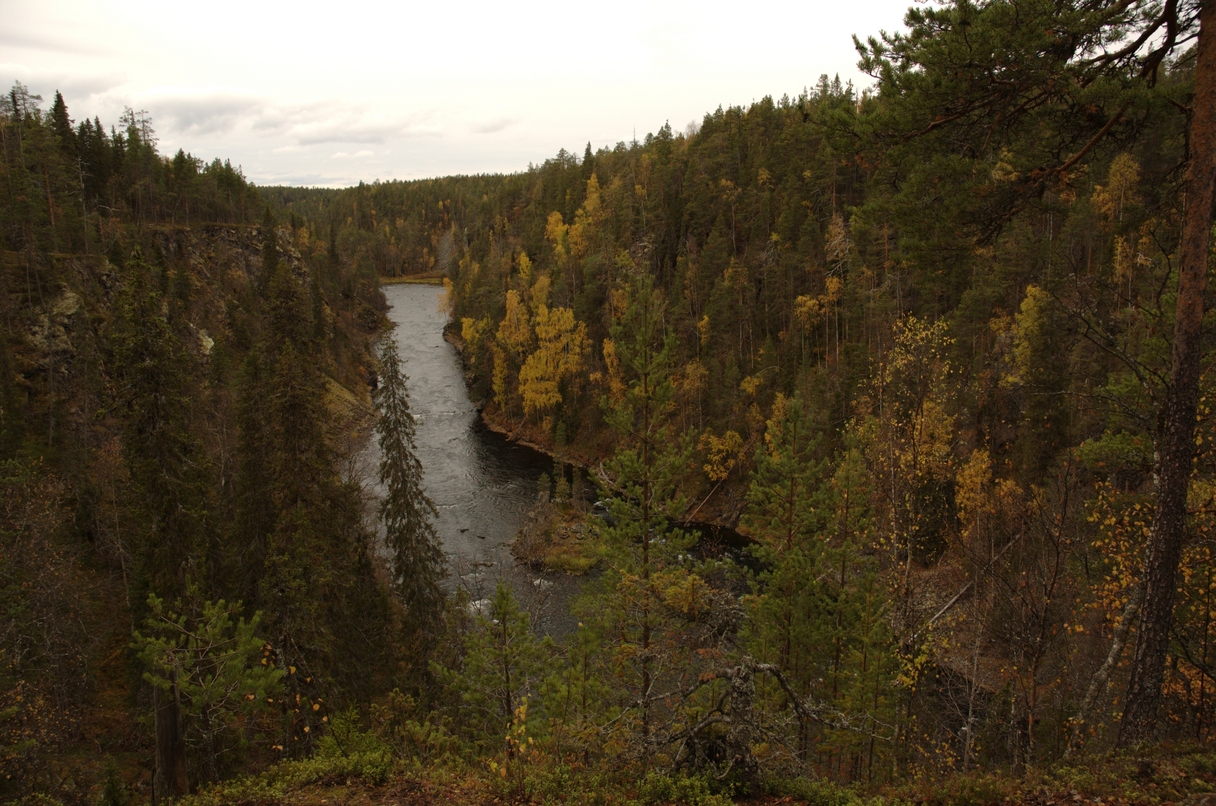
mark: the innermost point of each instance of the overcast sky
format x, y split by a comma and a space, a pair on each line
330, 93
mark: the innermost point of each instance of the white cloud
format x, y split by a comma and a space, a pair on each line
331, 122
203, 113
74, 86
289, 87
493, 126
17, 39
315, 132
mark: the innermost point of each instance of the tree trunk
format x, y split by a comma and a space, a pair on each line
743, 765
169, 779
1176, 434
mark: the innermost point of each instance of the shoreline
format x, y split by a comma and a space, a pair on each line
496, 425
430, 278
498, 428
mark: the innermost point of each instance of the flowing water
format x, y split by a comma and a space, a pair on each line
482, 484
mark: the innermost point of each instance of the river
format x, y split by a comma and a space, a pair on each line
482, 484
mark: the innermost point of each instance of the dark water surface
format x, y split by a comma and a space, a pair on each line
482, 484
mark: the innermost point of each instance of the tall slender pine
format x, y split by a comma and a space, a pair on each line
406, 511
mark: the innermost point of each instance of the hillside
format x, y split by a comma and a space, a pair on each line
166, 386
940, 350
919, 343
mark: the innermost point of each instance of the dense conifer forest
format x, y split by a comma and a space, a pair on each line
939, 351
186, 573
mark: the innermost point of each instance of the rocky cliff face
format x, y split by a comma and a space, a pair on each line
57, 311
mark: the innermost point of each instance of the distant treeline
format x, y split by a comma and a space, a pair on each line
65, 182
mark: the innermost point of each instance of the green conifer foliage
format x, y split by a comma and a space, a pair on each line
502, 669
324, 611
62, 125
300, 566
649, 584
576, 697
859, 666
785, 515
406, 511
210, 660
255, 509
270, 251
166, 461
782, 496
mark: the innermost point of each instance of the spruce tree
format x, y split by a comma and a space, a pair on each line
270, 251
406, 511
171, 478
318, 591
304, 556
62, 126
255, 510
164, 458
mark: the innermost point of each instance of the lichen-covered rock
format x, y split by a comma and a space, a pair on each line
49, 338
48, 335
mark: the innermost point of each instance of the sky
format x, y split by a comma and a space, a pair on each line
328, 94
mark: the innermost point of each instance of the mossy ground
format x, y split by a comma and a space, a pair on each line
558, 537
1153, 778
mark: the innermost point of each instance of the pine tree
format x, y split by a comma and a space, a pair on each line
207, 659
503, 668
406, 511
781, 496
650, 580
784, 516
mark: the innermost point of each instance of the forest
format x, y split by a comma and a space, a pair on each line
939, 351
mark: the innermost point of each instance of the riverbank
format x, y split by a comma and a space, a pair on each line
427, 278
558, 536
524, 433
719, 506
553, 537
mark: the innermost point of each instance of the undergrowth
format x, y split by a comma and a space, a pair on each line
349, 759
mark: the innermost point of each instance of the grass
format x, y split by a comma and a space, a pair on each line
568, 556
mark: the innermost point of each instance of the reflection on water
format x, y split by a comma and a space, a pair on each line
482, 484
